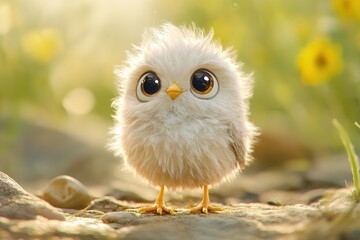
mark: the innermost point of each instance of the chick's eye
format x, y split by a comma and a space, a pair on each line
148, 86
204, 84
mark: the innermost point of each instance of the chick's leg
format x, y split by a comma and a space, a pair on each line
204, 205
159, 205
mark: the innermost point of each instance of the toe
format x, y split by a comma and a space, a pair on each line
215, 209
168, 210
205, 210
146, 209
158, 208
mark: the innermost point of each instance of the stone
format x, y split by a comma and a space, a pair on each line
337, 201
275, 149
330, 171
67, 192
108, 204
339, 218
43, 229
259, 182
16, 203
125, 195
291, 197
120, 217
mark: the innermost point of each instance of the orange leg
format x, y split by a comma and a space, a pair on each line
204, 205
159, 205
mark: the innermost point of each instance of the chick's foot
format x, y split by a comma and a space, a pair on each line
159, 208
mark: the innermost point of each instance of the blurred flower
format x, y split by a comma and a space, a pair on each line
347, 8
5, 18
319, 61
43, 44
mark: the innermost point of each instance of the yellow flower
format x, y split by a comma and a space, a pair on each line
319, 61
347, 8
43, 44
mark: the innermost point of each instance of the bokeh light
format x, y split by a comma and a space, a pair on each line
5, 18
79, 101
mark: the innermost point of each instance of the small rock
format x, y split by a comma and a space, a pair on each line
330, 171
257, 183
119, 217
67, 192
108, 204
16, 203
281, 198
278, 148
43, 229
88, 213
338, 201
126, 195
352, 234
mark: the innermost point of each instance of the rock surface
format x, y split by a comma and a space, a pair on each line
293, 199
244, 221
334, 216
16, 203
240, 221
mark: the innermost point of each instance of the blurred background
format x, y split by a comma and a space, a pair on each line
57, 83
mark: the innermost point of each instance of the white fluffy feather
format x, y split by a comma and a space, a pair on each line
189, 142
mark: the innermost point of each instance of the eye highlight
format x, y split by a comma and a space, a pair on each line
148, 86
204, 84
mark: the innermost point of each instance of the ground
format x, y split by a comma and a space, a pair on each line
24, 216
298, 199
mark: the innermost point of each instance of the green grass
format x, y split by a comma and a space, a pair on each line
353, 160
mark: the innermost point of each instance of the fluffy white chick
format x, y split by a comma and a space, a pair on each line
182, 114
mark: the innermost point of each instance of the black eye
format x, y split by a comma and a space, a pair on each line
204, 84
149, 85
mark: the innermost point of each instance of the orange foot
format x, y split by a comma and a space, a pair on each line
159, 205
205, 206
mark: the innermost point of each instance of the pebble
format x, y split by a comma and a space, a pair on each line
126, 195
107, 204
119, 217
67, 192
330, 171
280, 198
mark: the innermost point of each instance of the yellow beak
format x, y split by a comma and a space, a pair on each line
174, 90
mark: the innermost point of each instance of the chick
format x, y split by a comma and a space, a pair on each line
182, 114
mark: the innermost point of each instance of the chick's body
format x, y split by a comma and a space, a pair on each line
182, 119
178, 150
